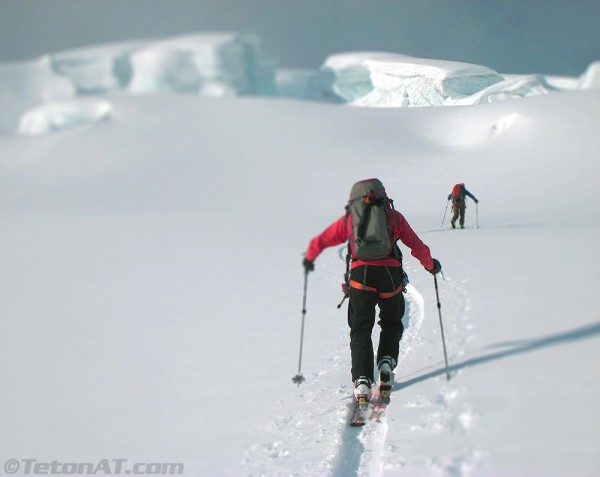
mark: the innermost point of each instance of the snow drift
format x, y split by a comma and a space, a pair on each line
60, 116
152, 281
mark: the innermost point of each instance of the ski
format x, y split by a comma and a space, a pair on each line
381, 402
373, 410
359, 413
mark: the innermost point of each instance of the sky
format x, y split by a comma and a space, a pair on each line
510, 36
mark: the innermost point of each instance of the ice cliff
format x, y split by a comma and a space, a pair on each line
72, 88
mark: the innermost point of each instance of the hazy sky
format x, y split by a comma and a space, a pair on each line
510, 36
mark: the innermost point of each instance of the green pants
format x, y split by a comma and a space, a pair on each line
459, 213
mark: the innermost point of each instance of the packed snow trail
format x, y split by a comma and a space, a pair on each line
433, 413
361, 451
320, 423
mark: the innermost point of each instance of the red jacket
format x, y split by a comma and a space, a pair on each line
338, 233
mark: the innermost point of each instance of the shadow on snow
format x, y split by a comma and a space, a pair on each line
514, 348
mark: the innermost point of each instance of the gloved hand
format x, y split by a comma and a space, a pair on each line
476, 201
437, 267
308, 265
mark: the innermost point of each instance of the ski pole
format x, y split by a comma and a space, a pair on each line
299, 379
447, 203
441, 327
477, 214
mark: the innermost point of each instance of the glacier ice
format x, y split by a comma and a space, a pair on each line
60, 116
97, 69
28, 84
393, 80
509, 88
224, 64
304, 84
219, 64
209, 64
591, 78
39, 95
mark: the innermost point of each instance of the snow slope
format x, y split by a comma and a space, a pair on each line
151, 288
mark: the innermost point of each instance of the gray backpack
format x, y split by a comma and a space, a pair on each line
371, 210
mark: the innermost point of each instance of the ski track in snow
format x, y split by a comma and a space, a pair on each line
319, 424
361, 451
445, 415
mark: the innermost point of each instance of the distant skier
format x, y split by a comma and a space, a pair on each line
459, 196
374, 277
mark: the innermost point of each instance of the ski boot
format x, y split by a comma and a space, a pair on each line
386, 366
362, 390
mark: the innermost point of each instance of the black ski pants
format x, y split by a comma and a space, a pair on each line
361, 317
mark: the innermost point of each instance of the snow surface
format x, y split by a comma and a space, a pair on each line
151, 285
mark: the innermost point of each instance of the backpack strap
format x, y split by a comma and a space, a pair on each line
396, 252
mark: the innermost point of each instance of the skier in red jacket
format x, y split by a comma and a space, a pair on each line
459, 196
374, 282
